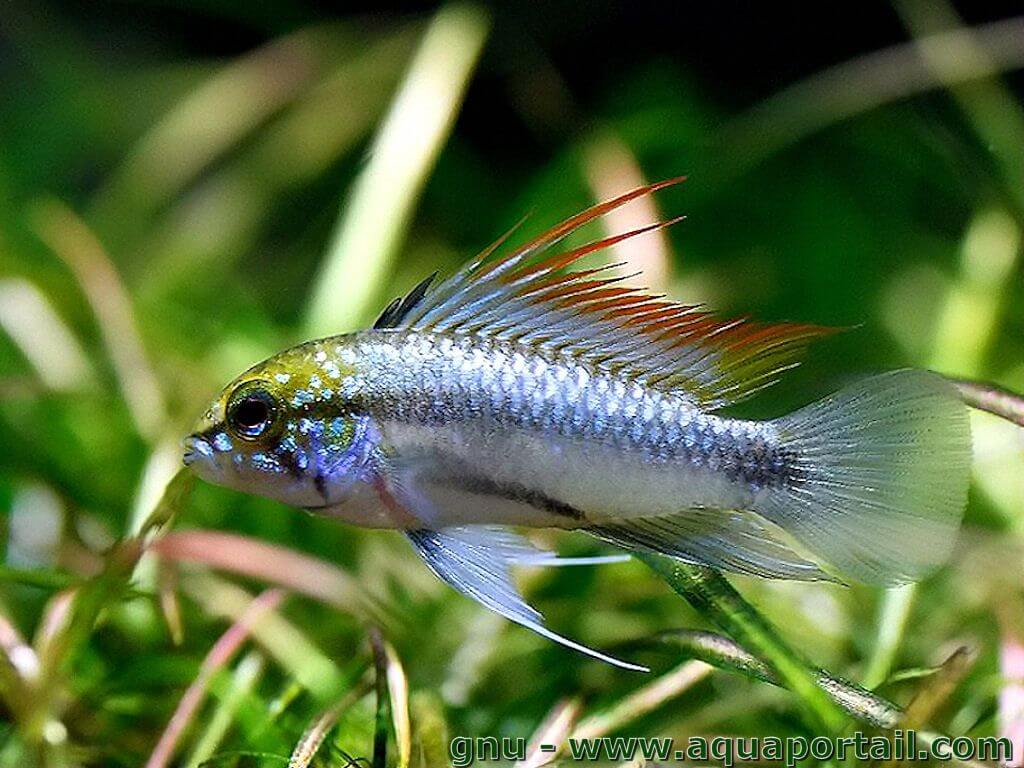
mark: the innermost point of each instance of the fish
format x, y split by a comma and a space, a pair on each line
525, 391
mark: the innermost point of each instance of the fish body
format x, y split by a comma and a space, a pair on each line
520, 393
515, 435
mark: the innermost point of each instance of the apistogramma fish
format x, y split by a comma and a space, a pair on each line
522, 392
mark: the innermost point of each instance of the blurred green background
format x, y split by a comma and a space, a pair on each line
188, 187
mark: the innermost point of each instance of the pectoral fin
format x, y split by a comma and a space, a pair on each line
475, 560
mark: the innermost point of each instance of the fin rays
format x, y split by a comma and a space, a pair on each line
531, 299
734, 541
475, 559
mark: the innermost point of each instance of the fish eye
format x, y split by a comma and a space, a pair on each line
251, 413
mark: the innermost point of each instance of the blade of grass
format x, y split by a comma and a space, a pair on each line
993, 111
20, 655
232, 758
217, 657
554, 729
44, 578
933, 693
377, 213
163, 481
936, 689
19, 669
173, 498
314, 735
431, 738
380, 729
711, 595
725, 653
221, 219
640, 702
42, 336
864, 705
398, 691
866, 83
244, 679
209, 120
162, 470
392, 691
280, 703
1011, 697
612, 170
285, 642
53, 623
170, 607
71, 239
76, 611
971, 313
637, 704
893, 613
273, 564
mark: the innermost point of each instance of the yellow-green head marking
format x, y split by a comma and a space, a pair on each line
285, 428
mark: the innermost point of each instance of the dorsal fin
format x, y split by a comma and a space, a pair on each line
395, 312
528, 296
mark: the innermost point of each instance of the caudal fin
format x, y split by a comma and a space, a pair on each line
880, 477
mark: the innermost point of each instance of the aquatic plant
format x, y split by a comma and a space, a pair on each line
164, 223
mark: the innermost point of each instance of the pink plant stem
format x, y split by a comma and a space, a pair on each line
994, 399
1011, 697
20, 655
219, 655
267, 562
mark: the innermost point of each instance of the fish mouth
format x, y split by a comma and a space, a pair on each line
193, 446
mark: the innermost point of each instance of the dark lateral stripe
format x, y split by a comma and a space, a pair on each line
320, 482
484, 486
288, 461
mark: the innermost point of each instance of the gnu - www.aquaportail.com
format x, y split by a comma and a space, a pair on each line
788, 751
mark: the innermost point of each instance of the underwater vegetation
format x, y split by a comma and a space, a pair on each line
174, 209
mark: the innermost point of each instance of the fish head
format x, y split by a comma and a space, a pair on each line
287, 429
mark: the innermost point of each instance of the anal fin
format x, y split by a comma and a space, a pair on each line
475, 559
736, 541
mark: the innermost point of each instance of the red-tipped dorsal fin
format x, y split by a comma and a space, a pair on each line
537, 298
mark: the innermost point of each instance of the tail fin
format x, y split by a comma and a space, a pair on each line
881, 476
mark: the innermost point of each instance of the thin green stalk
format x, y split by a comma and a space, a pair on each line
313, 737
861, 703
724, 653
398, 695
219, 654
243, 681
893, 613
709, 592
44, 578
380, 730
280, 638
